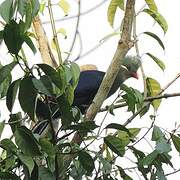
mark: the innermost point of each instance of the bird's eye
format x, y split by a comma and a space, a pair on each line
125, 67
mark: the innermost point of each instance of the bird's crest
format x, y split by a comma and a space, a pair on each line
132, 63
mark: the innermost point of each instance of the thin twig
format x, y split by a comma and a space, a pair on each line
116, 106
138, 54
54, 32
76, 30
178, 170
81, 14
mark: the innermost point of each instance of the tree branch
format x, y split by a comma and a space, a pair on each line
124, 45
44, 48
116, 106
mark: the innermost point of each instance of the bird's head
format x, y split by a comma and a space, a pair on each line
130, 65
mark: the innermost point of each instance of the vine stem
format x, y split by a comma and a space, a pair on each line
54, 31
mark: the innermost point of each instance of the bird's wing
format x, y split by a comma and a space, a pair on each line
88, 85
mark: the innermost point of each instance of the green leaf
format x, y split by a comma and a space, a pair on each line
6, 10
114, 4
22, 7
163, 147
30, 44
111, 109
66, 111
129, 97
157, 61
176, 142
156, 38
47, 83
65, 6
26, 142
152, 5
158, 18
157, 134
106, 162
85, 126
134, 132
165, 158
140, 155
5, 85
123, 174
35, 7
68, 73
35, 172
15, 121
14, 32
27, 96
45, 173
75, 70
41, 87
1, 127
153, 89
9, 161
47, 146
8, 176
63, 32
53, 75
62, 75
117, 126
27, 161
6, 70
28, 15
144, 110
11, 94
160, 174
8, 145
42, 6
115, 144
86, 161
124, 137
148, 160
70, 94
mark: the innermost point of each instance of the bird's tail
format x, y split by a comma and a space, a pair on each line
42, 128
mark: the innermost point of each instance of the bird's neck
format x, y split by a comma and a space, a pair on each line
120, 78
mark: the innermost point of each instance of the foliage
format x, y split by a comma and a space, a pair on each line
55, 156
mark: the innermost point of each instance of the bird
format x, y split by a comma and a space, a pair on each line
87, 87
90, 81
